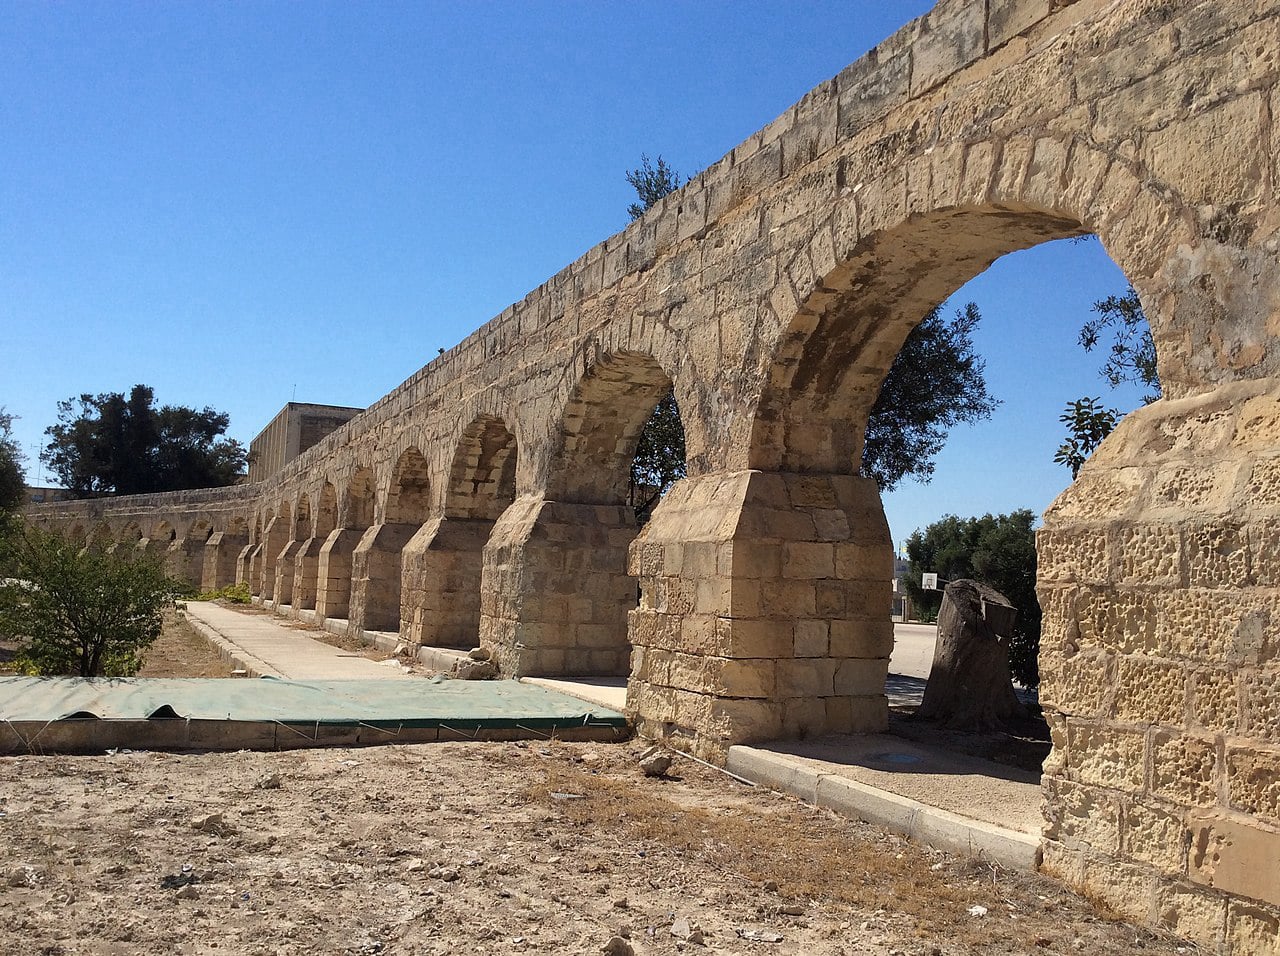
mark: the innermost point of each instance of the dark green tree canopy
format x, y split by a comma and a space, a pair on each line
660, 457
109, 444
936, 382
12, 480
998, 550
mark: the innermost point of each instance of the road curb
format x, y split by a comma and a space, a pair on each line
916, 821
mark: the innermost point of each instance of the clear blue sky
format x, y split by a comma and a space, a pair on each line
246, 203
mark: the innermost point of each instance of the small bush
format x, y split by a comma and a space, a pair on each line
76, 612
232, 593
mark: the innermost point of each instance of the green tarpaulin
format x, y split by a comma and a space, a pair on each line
434, 702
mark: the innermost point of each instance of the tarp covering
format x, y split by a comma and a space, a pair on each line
379, 703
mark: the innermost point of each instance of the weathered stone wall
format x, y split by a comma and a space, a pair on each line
773, 292
1160, 580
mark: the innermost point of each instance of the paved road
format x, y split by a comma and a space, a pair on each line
913, 649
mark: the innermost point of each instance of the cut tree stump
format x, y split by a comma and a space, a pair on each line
970, 686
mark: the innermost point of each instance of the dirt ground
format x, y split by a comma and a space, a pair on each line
540, 847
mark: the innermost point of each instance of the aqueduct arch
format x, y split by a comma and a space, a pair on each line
773, 290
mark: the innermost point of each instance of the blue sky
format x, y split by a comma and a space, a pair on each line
246, 203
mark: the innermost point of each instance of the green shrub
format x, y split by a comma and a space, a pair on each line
76, 612
232, 593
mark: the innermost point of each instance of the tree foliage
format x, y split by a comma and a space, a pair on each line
997, 550
76, 611
12, 480
1131, 358
1088, 422
651, 182
660, 457
936, 382
110, 444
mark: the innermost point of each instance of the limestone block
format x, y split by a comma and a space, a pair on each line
1235, 855
1230, 131
1082, 685
1190, 913
860, 638
1114, 493
1253, 929
1217, 556
1082, 817
1068, 558
1151, 691
1253, 781
1155, 836
861, 677
804, 717
1009, 18
810, 677
1264, 546
1261, 693
1105, 756
1203, 625
870, 87
1150, 554
1121, 619
1215, 700
1185, 769
743, 721
950, 37
811, 639
1125, 889
755, 638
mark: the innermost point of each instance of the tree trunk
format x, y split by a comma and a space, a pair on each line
970, 687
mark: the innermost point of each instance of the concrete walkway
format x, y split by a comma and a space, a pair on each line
265, 647
926, 793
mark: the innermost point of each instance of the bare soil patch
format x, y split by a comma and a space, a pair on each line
491, 848
182, 651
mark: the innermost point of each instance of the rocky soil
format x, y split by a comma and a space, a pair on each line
515, 847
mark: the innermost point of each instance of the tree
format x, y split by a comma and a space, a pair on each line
997, 550
109, 444
936, 382
1131, 357
659, 462
13, 483
651, 182
77, 611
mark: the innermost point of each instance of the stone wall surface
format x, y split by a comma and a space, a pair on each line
772, 292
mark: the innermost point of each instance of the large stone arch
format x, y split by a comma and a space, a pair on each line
276, 534
299, 530
307, 561
565, 610
222, 552
376, 563
443, 564
356, 505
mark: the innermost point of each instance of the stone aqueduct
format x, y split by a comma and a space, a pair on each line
485, 495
